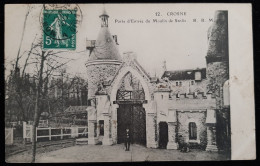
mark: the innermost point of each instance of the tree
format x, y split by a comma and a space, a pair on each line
45, 64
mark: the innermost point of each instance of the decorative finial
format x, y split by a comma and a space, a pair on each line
104, 18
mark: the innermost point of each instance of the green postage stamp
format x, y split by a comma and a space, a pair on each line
59, 29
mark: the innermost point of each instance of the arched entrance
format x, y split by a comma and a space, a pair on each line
163, 135
131, 114
129, 96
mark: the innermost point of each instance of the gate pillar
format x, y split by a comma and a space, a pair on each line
107, 140
114, 123
151, 125
211, 139
92, 136
92, 125
171, 136
151, 141
172, 129
211, 130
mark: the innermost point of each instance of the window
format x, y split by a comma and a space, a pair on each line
178, 95
192, 131
180, 83
198, 76
177, 83
95, 129
192, 82
101, 127
196, 94
226, 93
162, 96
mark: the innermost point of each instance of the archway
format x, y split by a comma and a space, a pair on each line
163, 135
129, 112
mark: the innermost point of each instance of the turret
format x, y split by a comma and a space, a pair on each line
217, 56
217, 74
104, 58
218, 38
104, 19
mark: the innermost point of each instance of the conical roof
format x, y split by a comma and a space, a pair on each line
218, 38
105, 47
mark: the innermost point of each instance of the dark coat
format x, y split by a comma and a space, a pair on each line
127, 136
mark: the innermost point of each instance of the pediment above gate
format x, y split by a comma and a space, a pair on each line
131, 65
129, 60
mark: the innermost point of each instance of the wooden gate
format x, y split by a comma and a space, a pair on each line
132, 116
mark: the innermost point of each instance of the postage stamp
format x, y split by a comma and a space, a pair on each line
59, 29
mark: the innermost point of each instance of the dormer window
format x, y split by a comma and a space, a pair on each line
197, 76
177, 83
195, 94
178, 95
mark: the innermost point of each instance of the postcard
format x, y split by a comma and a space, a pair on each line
129, 82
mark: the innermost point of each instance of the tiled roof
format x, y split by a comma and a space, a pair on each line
105, 47
188, 74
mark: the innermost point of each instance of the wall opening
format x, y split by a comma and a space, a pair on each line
192, 131
163, 135
101, 127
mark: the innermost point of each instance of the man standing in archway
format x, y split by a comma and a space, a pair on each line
127, 139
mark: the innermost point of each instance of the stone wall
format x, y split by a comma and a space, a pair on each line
98, 73
183, 120
217, 74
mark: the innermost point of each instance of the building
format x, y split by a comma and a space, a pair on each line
183, 105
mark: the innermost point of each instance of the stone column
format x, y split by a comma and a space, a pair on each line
92, 138
114, 123
107, 140
98, 129
211, 139
151, 141
171, 136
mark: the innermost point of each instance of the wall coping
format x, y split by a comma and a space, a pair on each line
105, 61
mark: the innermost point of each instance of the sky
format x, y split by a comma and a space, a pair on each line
182, 45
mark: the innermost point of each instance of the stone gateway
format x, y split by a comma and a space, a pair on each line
182, 107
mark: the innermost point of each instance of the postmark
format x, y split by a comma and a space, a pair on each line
59, 26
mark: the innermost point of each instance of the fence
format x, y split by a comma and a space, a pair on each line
9, 136
49, 132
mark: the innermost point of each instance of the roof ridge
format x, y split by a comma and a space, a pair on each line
185, 69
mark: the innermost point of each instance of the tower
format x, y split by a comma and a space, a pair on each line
104, 58
217, 56
217, 74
